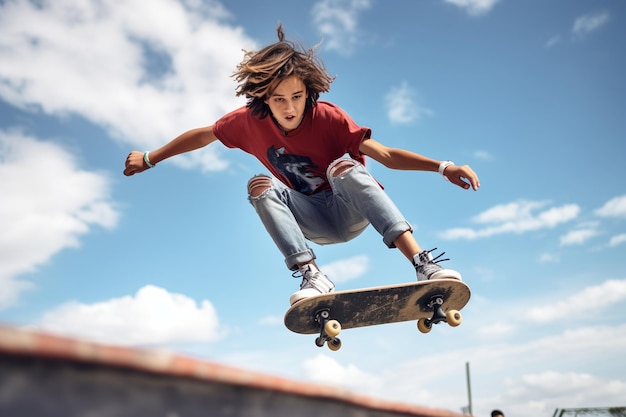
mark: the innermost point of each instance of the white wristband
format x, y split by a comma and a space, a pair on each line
146, 159
442, 168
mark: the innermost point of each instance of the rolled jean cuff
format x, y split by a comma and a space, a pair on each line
292, 261
394, 231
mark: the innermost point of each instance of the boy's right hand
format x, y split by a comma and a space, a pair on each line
135, 163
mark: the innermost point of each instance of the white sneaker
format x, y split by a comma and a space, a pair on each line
428, 267
314, 282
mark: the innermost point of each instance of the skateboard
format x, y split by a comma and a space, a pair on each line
428, 302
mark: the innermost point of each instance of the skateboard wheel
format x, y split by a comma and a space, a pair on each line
454, 318
334, 344
423, 326
332, 328
319, 341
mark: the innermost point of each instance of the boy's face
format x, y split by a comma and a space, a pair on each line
287, 102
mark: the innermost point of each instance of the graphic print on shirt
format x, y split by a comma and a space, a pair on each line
299, 170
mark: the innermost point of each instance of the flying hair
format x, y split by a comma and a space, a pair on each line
260, 72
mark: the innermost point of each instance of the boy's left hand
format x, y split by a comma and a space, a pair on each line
463, 176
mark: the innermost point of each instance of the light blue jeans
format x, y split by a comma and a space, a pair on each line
332, 216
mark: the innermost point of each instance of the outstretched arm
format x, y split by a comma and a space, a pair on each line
395, 158
188, 141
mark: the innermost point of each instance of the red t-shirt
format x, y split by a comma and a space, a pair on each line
298, 158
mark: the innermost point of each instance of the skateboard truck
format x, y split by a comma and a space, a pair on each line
329, 329
438, 314
452, 317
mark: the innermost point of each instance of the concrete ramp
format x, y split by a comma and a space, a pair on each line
47, 375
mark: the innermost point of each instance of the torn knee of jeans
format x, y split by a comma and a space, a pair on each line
258, 185
340, 167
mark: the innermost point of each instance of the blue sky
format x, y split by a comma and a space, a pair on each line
531, 94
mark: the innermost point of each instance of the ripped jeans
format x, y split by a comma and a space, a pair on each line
332, 216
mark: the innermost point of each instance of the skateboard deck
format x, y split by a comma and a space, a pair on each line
428, 302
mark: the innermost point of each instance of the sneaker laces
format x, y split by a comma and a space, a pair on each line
299, 274
312, 277
436, 259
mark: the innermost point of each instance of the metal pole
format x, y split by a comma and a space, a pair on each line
469, 388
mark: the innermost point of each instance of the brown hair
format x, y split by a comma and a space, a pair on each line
260, 72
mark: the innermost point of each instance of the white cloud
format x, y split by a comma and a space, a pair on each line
144, 73
483, 155
525, 216
402, 106
616, 207
474, 7
497, 329
492, 364
553, 41
539, 390
582, 26
548, 258
48, 204
590, 22
318, 368
578, 237
617, 240
153, 316
588, 300
346, 269
271, 321
517, 217
337, 21
559, 388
